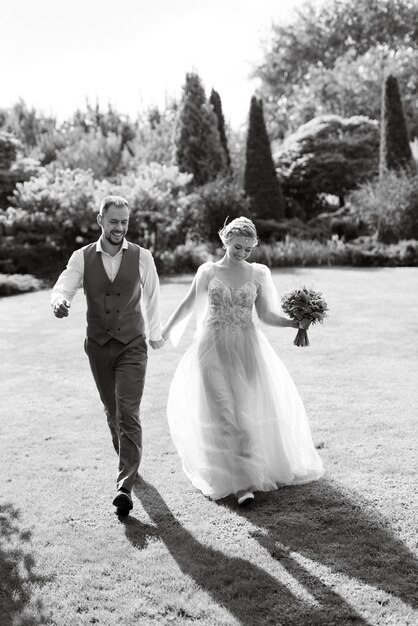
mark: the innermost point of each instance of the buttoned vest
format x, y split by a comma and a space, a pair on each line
113, 308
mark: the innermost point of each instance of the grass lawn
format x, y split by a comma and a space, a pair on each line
339, 551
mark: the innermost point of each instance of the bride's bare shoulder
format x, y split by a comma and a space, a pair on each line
260, 270
205, 267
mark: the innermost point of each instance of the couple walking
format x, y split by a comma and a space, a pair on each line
234, 413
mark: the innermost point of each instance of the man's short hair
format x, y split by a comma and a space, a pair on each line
115, 200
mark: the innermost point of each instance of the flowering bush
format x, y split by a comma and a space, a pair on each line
55, 213
160, 205
101, 153
51, 216
18, 283
183, 259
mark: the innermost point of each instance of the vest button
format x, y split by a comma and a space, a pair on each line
107, 311
107, 330
118, 294
118, 328
107, 295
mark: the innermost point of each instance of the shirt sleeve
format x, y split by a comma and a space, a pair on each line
151, 293
70, 280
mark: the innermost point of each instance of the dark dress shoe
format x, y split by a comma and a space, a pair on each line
123, 502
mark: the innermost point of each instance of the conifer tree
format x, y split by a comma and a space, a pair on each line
198, 146
215, 101
260, 179
395, 151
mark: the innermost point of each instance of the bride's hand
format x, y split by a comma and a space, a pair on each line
305, 323
156, 345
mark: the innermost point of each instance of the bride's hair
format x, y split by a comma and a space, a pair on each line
239, 227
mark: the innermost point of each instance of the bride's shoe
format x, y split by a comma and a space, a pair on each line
244, 496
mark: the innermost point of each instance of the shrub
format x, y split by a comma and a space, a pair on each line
301, 252
364, 252
160, 205
56, 213
370, 252
102, 153
212, 204
270, 230
308, 253
328, 155
347, 223
14, 167
52, 216
183, 259
11, 284
390, 205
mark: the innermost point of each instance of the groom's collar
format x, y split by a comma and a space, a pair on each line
100, 249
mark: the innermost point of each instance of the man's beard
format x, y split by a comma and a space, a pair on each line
114, 243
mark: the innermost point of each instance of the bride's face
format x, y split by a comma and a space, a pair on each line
238, 249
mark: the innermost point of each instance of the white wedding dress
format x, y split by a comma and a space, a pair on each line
234, 413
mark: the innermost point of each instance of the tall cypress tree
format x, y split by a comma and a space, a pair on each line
260, 178
395, 151
198, 145
215, 101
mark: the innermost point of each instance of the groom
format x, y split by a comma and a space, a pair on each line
116, 276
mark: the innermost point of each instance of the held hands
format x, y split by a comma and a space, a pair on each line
156, 345
62, 308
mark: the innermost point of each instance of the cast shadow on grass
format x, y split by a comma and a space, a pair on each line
17, 573
319, 522
249, 593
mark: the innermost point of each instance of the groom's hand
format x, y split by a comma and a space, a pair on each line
156, 345
62, 308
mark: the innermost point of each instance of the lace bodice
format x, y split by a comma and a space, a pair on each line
229, 306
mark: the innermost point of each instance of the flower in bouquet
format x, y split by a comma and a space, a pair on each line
307, 306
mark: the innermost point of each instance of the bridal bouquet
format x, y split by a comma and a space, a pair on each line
307, 305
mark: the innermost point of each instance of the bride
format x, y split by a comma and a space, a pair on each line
235, 415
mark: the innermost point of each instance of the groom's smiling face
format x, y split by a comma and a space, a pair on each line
114, 224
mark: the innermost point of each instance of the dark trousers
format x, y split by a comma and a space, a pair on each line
119, 372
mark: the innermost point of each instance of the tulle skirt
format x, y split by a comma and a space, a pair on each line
236, 417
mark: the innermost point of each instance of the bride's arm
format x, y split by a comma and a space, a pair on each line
271, 318
184, 308
267, 302
191, 301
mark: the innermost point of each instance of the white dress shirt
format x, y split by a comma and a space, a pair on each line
71, 279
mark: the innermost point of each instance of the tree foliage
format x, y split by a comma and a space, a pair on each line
103, 154
212, 204
395, 151
155, 135
26, 124
14, 166
260, 180
108, 122
216, 102
353, 86
328, 155
198, 146
308, 58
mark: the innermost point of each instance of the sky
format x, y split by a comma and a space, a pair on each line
133, 53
